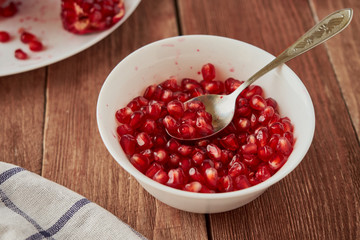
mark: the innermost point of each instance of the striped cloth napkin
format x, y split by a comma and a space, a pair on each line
32, 207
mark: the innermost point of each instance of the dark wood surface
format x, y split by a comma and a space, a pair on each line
48, 123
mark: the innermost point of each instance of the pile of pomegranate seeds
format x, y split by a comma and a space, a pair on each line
82, 16
250, 150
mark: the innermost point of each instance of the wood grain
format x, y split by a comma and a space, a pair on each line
344, 54
74, 153
320, 199
22, 100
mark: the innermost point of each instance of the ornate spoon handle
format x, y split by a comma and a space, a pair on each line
325, 29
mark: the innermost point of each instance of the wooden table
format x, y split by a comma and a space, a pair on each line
48, 123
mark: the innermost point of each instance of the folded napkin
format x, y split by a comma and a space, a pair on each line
32, 207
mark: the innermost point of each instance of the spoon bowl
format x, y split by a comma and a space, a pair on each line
222, 107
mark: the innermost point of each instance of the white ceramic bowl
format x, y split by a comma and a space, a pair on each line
182, 57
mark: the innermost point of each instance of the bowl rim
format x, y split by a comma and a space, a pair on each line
182, 193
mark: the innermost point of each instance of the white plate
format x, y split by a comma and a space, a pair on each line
42, 18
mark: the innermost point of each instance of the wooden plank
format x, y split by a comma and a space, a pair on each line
74, 153
344, 54
320, 199
22, 99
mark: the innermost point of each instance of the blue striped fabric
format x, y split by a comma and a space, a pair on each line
35, 230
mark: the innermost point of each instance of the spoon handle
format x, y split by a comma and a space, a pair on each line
325, 29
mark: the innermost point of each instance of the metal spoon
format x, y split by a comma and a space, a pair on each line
222, 107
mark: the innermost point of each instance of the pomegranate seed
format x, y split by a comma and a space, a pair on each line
181, 96
154, 168
213, 87
214, 152
149, 126
137, 119
176, 178
257, 103
273, 141
266, 115
276, 162
250, 148
203, 128
140, 162
172, 145
158, 93
143, 141
185, 150
134, 105
9, 10
207, 163
195, 175
174, 160
198, 158
275, 118
128, 144
253, 121
149, 154
27, 37
265, 152
211, 177
170, 84
288, 127
290, 137
185, 164
226, 184
276, 128
35, 46
251, 139
208, 72
271, 102
195, 106
284, 146
160, 156
123, 115
167, 96
161, 177
242, 124
197, 92
149, 92
175, 108
159, 140
242, 138
187, 131
124, 129
251, 161
20, 54
231, 85
242, 107
263, 173
203, 143
252, 91
262, 136
230, 142
193, 187
226, 155
237, 169
4, 36
235, 158
170, 124
188, 84
241, 182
